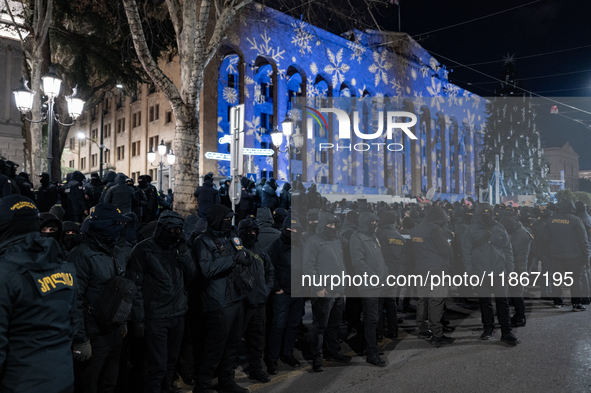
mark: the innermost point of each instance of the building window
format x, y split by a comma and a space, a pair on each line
169, 57
94, 134
120, 153
71, 164
169, 146
135, 176
153, 143
154, 112
83, 142
83, 163
153, 174
151, 89
107, 131
93, 160
72, 143
120, 126
136, 120
107, 155
135, 148
168, 117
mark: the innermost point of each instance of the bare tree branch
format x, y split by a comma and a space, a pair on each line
17, 28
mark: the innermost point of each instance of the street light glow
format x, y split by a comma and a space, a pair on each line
51, 83
81, 135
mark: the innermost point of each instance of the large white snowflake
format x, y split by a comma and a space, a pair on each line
222, 168
266, 49
380, 67
413, 73
337, 68
361, 93
453, 92
469, 120
252, 127
302, 37
397, 87
435, 92
230, 95
294, 114
259, 98
357, 48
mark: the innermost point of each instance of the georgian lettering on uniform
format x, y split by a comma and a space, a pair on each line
417, 239
396, 241
55, 281
559, 221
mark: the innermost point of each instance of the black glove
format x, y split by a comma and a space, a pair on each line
242, 258
82, 352
139, 329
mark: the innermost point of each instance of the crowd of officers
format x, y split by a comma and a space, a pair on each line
216, 289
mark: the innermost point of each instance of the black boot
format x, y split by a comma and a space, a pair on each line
317, 364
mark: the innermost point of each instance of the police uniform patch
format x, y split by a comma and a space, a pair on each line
47, 282
23, 205
237, 243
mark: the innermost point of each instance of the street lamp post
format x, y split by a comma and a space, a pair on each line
277, 139
82, 136
51, 84
170, 158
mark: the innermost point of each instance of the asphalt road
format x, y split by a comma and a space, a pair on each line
554, 356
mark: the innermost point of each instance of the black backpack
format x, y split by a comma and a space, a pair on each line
115, 307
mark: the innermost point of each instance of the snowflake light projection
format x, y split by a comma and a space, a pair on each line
266, 49
357, 48
230, 95
302, 37
380, 67
336, 68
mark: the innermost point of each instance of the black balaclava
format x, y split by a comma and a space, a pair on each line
330, 233
106, 231
70, 241
11, 169
215, 218
18, 216
167, 221
484, 212
50, 220
44, 179
246, 226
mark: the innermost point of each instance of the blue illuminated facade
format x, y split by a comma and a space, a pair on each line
269, 59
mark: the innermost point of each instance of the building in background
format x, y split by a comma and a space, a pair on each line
11, 62
563, 163
269, 59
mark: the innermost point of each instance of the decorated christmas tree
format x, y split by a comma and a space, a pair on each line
511, 133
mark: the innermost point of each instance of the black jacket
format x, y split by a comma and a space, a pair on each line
5, 186
269, 197
120, 195
94, 191
520, 242
261, 268
431, 250
215, 265
76, 200
323, 255
314, 198
299, 200
37, 316
267, 234
542, 236
393, 248
46, 197
366, 254
207, 196
161, 271
109, 182
95, 265
568, 238
247, 196
287, 260
285, 197
25, 187
495, 254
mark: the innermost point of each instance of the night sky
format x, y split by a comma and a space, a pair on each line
541, 27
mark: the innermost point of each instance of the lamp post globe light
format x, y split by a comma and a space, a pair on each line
296, 140
51, 84
170, 158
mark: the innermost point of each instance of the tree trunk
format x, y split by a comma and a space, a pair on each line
36, 129
186, 139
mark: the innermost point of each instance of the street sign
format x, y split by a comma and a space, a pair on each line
405, 190
217, 156
252, 176
257, 152
236, 154
225, 139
